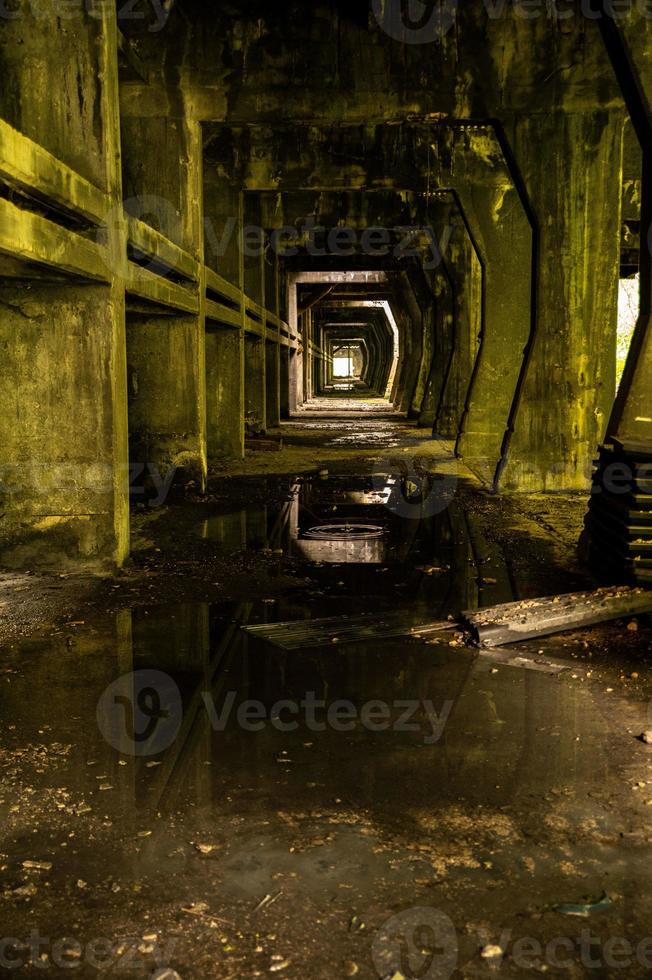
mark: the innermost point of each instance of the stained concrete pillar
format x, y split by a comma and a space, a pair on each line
284, 382
166, 355
254, 386
225, 346
296, 359
64, 477
272, 384
570, 163
224, 393
165, 369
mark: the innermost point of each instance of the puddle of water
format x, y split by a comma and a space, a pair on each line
371, 540
260, 727
375, 776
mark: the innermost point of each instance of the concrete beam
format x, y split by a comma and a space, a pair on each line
154, 245
31, 238
155, 289
31, 168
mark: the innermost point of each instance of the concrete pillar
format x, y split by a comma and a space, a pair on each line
165, 369
496, 214
166, 355
466, 273
224, 393
254, 386
294, 373
440, 325
64, 478
628, 45
284, 379
225, 346
570, 164
272, 384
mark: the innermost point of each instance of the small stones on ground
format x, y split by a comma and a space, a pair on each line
165, 973
632, 626
646, 737
25, 891
279, 963
206, 848
37, 865
491, 952
351, 968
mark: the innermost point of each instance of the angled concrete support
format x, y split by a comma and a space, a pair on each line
467, 274
500, 227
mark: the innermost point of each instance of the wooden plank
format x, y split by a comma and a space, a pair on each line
222, 314
147, 285
32, 238
157, 246
516, 621
33, 169
296, 635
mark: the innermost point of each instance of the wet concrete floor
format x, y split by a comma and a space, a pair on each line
180, 794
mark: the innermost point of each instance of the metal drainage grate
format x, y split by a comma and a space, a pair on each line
345, 532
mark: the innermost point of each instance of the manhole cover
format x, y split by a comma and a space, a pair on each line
345, 532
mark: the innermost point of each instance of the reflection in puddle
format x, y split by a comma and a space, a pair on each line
188, 765
449, 727
434, 555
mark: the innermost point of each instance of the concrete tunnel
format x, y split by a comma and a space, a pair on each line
325, 487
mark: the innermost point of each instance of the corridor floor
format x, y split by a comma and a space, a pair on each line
237, 809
